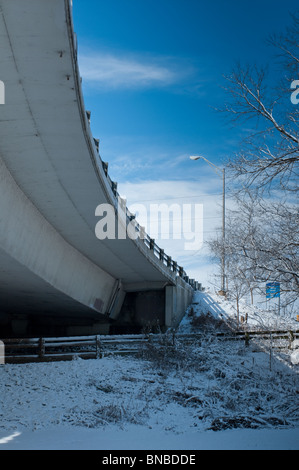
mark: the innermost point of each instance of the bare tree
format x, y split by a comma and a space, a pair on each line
261, 244
270, 154
262, 233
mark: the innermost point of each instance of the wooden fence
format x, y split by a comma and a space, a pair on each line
49, 349
93, 347
68, 348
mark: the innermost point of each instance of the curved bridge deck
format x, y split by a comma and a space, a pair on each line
54, 272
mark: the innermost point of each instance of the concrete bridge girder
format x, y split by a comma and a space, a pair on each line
28, 237
51, 181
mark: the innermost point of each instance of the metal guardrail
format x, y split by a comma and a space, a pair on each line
49, 349
148, 241
95, 147
247, 336
20, 351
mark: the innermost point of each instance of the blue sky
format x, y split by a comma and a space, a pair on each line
153, 76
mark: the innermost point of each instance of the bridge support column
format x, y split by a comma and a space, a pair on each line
170, 305
162, 308
177, 300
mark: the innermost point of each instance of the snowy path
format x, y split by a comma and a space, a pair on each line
258, 316
139, 438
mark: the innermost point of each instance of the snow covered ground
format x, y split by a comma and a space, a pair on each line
200, 394
259, 316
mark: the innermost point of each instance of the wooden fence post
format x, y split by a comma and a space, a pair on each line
291, 339
99, 348
42, 348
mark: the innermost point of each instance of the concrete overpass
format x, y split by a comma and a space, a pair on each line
56, 276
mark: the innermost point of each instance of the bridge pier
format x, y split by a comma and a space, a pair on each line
152, 309
177, 300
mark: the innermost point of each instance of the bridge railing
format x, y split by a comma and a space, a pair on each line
148, 241
95, 145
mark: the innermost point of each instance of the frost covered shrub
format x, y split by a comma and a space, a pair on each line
111, 413
206, 321
170, 352
115, 413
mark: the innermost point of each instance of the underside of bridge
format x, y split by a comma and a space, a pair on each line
56, 276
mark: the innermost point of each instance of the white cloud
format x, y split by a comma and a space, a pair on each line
116, 71
196, 263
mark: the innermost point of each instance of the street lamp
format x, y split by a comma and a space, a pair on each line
222, 172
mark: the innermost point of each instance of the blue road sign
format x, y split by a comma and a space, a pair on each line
272, 290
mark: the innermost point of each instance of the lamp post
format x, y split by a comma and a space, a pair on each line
221, 171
